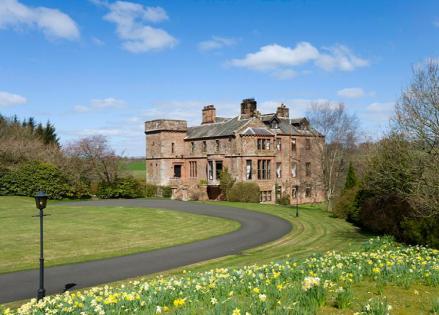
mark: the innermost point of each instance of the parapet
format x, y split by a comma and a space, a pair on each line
160, 125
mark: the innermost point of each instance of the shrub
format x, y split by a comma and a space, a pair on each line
151, 190
244, 192
346, 205
127, 187
226, 183
32, 177
166, 191
284, 200
420, 231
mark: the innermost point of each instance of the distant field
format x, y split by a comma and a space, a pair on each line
135, 168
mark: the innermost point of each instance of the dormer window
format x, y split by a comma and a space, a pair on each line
274, 124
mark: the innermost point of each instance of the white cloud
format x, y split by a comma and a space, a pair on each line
52, 22
351, 92
131, 26
96, 104
341, 58
216, 42
8, 99
381, 108
275, 58
108, 102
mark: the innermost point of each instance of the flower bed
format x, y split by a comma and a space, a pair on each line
284, 287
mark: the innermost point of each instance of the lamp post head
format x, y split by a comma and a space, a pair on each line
41, 200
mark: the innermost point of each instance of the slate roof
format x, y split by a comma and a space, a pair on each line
252, 131
291, 126
222, 119
218, 129
225, 127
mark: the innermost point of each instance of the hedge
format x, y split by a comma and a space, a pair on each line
31, 177
244, 192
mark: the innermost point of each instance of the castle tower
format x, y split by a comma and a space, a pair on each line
164, 150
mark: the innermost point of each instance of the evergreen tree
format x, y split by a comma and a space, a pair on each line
49, 134
31, 124
39, 131
351, 178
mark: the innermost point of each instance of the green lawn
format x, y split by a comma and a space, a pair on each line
75, 234
314, 231
135, 168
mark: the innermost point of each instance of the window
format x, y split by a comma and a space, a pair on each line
295, 192
293, 145
307, 144
193, 169
177, 171
278, 170
217, 145
263, 144
193, 147
264, 169
210, 170
293, 169
204, 146
308, 191
265, 196
172, 147
219, 168
308, 168
274, 124
248, 169
278, 144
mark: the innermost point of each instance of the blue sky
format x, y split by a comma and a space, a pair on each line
104, 67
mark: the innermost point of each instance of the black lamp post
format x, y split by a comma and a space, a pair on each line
297, 201
41, 202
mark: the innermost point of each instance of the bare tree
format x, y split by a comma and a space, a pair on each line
340, 131
97, 158
417, 118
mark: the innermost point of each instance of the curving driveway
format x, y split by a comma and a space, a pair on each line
256, 229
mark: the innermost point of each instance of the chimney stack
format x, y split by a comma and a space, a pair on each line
208, 114
283, 111
248, 107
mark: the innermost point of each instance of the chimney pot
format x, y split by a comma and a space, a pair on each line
208, 114
283, 111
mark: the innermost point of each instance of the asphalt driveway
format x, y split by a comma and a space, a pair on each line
256, 229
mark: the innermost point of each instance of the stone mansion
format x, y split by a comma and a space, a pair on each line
279, 153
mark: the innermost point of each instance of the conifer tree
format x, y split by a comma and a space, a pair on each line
351, 178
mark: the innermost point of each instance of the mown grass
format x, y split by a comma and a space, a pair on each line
76, 234
314, 231
417, 299
135, 168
